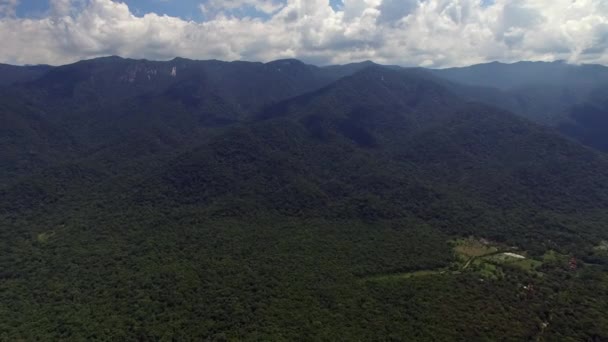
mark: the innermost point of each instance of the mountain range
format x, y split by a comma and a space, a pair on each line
244, 201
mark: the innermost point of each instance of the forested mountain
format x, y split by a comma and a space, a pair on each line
11, 74
282, 201
521, 74
135, 108
558, 94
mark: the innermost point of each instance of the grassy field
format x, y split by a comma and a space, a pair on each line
472, 247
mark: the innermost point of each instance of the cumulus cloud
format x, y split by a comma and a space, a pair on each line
434, 33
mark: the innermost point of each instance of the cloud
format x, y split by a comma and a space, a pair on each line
434, 33
8, 7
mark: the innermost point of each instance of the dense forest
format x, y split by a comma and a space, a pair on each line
205, 200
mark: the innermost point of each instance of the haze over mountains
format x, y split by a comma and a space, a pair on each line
566, 96
241, 200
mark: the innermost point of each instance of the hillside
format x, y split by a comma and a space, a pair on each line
521, 74
556, 94
121, 109
12, 74
290, 205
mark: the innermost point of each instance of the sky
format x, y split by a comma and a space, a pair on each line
429, 33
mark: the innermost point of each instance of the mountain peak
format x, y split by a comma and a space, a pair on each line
112, 58
288, 62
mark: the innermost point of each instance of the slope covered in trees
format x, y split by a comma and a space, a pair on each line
293, 216
557, 94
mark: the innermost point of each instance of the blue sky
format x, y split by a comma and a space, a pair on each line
185, 9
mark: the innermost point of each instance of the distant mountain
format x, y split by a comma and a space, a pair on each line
108, 103
11, 74
395, 128
523, 74
588, 121
549, 93
557, 94
114, 79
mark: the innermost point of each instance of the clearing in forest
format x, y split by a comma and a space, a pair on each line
472, 255
473, 247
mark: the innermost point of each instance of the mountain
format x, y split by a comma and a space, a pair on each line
280, 201
115, 78
557, 94
385, 120
588, 121
522, 74
99, 106
11, 74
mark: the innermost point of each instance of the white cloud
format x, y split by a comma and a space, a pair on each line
8, 7
406, 32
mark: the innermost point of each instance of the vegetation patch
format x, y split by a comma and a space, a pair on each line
603, 246
473, 247
406, 275
515, 260
487, 270
528, 265
553, 257
44, 237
